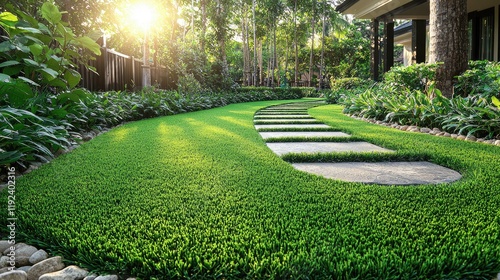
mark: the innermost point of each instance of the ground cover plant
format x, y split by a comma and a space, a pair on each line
407, 96
199, 195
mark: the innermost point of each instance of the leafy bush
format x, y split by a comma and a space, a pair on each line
482, 78
341, 88
413, 77
413, 102
61, 119
40, 54
25, 137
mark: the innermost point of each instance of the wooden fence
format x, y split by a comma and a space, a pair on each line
117, 71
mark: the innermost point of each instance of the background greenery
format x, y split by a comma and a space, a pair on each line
407, 96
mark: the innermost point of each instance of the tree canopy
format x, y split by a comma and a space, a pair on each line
217, 44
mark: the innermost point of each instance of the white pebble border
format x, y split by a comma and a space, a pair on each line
25, 262
433, 131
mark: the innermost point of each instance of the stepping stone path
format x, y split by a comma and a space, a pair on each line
284, 122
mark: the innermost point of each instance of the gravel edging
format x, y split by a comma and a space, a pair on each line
20, 261
426, 130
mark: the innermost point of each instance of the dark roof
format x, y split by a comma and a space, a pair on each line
403, 28
346, 5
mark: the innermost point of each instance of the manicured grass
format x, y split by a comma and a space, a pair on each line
199, 195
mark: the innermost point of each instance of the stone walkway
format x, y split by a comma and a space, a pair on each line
285, 121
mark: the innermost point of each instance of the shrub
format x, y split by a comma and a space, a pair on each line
341, 88
413, 77
409, 101
482, 78
40, 54
35, 127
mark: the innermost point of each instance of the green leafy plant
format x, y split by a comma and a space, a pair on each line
40, 54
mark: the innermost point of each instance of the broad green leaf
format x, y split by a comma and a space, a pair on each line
495, 101
29, 81
8, 19
82, 94
9, 63
68, 96
57, 82
30, 29
36, 50
18, 93
89, 44
13, 70
51, 13
6, 46
51, 73
72, 77
60, 113
31, 62
4, 78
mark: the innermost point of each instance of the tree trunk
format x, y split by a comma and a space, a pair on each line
261, 64
322, 63
203, 5
311, 60
448, 41
254, 45
296, 75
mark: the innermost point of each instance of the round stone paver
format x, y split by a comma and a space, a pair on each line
383, 173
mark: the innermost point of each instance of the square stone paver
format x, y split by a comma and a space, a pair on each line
308, 134
258, 126
323, 147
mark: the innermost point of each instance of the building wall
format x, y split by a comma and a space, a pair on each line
473, 5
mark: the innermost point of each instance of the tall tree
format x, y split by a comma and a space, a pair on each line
311, 57
448, 41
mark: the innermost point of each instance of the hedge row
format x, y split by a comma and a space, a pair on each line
34, 127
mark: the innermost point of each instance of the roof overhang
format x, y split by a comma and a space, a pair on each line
380, 9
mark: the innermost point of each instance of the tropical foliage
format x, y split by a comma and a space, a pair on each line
408, 96
39, 126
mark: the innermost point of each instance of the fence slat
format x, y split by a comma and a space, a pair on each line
117, 71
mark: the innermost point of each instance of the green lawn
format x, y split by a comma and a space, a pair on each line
199, 195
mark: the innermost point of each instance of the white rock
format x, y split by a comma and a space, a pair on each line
404, 127
38, 256
425, 130
16, 246
47, 266
497, 142
90, 277
471, 138
71, 272
4, 261
5, 269
461, 137
22, 261
446, 134
4, 245
107, 277
480, 140
436, 129
14, 275
25, 268
454, 136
